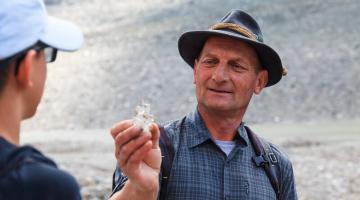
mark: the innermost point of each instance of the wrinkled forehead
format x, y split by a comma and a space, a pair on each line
230, 46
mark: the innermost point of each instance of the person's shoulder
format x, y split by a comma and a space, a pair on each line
174, 126
12, 155
171, 125
285, 167
44, 181
282, 157
177, 124
34, 176
173, 130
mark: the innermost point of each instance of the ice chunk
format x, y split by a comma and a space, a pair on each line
143, 118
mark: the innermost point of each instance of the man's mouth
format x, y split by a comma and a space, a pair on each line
220, 91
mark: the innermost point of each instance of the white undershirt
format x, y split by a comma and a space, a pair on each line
225, 146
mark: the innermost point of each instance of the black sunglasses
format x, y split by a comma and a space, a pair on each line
50, 55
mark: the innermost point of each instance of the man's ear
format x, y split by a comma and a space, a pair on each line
25, 67
262, 79
195, 70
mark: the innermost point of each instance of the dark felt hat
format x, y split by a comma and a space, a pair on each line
241, 26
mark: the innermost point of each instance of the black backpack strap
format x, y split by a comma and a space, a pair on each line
167, 153
267, 159
118, 180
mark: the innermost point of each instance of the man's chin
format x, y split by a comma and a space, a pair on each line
219, 107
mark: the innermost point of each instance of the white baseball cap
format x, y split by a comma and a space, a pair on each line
25, 22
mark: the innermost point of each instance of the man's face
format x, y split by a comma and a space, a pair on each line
227, 74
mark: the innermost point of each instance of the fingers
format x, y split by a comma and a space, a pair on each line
120, 127
132, 145
155, 135
132, 148
127, 135
140, 154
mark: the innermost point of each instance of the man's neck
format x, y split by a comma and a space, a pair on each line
10, 118
221, 125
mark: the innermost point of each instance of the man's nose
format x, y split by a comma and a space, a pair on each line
220, 73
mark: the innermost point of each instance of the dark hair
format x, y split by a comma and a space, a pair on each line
4, 73
7, 63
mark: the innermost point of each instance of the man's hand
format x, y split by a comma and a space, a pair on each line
139, 157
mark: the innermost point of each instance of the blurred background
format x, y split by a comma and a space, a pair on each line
130, 54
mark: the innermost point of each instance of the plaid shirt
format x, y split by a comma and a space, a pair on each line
201, 170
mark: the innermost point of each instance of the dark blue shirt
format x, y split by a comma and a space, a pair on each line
201, 170
25, 173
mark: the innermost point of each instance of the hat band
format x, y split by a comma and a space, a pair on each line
243, 31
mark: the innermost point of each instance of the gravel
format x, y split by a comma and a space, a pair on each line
325, 158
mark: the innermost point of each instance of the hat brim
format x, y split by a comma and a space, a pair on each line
191, 43
62, 35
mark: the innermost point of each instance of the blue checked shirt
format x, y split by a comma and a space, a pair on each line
202, 171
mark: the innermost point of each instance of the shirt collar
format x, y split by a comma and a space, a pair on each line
197, 132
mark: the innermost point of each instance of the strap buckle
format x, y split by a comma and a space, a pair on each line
272, 158
259, 160
265, 159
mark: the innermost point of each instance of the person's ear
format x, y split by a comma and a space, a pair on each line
25, 68
261, 81
195, 70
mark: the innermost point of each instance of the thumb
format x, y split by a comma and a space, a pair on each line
155, 135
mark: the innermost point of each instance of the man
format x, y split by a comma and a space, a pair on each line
214, 156
28, 40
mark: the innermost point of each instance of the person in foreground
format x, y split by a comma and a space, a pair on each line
215, 156
28, 40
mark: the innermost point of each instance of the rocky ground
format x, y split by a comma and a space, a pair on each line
325, 157
130, 53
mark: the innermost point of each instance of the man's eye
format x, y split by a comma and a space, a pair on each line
234, 65
237, 67
209, 61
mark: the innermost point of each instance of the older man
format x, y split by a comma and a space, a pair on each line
214, 155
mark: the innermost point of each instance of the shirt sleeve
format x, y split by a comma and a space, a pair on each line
288, 189
119, 180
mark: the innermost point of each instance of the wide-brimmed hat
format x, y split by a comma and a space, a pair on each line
241, 26
25, 22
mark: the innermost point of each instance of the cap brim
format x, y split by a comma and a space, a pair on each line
191, 43
62, 35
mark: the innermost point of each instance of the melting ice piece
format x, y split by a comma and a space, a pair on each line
143, 118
